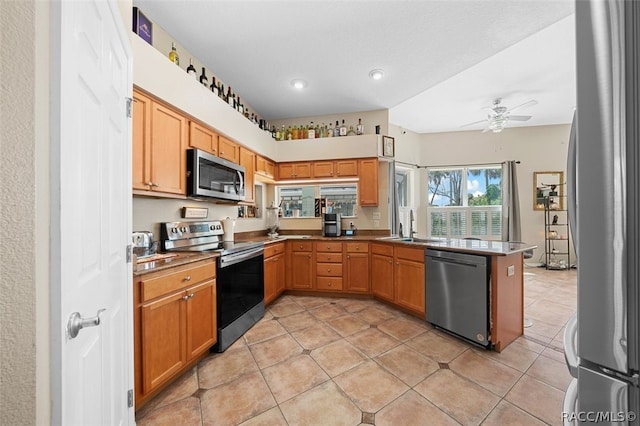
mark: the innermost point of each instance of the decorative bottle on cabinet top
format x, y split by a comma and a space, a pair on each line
173, 55
191, 70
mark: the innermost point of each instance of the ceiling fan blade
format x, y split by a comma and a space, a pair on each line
475, 122
519, 117
532, 102
486, 129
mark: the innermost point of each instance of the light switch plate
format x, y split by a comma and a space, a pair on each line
376, 215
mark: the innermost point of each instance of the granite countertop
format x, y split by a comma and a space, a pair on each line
169, 260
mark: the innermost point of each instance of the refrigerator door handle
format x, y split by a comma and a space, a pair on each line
570, 346
569, 403
571, 183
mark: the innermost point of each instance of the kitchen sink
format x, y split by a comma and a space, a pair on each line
413, 240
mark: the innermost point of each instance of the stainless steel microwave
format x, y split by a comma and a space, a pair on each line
213, 177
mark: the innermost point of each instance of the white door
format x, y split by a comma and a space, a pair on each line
91, 213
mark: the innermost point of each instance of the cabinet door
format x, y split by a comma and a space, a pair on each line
382, 276
368, 182
270, 279
302, 170
163, 340
202, 331
357, 272
279, 260
141, 141
202, 138
228, 150
248, 161
168, 164
286, 171
409, 285
301, 270
347, 168
323, 169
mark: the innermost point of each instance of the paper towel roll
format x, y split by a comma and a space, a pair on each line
228, 226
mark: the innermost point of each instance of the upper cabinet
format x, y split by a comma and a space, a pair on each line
202, 138
301, 170
229, 150
335, 169
159, 143
265, 167
368, 183
248, 161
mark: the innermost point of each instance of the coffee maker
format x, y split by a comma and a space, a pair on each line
331, 225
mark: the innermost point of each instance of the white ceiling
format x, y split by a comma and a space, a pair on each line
443, 60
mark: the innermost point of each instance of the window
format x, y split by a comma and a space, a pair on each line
300, 200
405, 195
465, 202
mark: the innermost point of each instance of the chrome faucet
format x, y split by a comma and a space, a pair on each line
400, 231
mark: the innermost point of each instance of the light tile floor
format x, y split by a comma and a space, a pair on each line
339, 361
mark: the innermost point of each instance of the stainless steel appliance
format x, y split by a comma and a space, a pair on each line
239, 279
143, 244
331, 226
458, 294
603, 183
213, 177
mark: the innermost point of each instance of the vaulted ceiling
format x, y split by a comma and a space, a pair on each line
443, 61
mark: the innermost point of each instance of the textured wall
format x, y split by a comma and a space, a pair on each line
18, 212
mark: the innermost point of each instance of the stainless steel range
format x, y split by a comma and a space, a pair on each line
240, 274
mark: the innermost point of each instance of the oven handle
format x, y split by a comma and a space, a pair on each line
232, 259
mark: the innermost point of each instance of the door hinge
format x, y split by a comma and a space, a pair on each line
129, 103
130, 398
129, 253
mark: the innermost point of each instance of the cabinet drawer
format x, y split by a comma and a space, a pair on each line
156, 286
416, 255
383, 249
329, 257
301, 246
273, 249
329, 283
357, 247
330, 247
329, 269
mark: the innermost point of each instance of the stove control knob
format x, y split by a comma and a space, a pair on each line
174, 230
212, 227
183, 229
218, 226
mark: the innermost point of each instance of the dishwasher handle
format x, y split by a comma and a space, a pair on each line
453, 261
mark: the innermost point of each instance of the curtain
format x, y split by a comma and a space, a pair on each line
511, 203
394, 211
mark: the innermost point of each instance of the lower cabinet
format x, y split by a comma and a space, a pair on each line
300, 269
398, 276
274, 271
174, 323
328, 266
356, 263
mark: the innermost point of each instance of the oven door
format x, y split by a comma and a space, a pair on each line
240, 283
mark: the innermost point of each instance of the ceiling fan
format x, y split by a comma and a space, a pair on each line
499, 115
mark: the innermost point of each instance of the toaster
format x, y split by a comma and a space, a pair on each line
143, 244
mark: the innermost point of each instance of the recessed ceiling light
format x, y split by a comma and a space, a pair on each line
376, 74
299, 84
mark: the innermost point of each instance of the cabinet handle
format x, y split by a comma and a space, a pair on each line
185, 298
328, 269
390, 261
187, 278
155, 185
329, 284
309, 256
348, 257
191, 295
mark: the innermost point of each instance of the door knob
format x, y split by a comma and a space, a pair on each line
77, 323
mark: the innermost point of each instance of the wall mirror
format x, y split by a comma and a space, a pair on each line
548, 187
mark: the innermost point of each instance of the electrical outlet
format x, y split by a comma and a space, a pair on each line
511, 270
376, 215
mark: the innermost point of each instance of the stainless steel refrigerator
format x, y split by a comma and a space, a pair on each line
603, 184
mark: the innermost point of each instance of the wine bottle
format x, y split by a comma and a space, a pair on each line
229, 96
351, 131
311, 131
203, 78
214, 85
336, 130
191, 70
240, 106
360, 127
343, 129
221, 92
173, 54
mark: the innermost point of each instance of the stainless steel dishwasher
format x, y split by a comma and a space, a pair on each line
457, 294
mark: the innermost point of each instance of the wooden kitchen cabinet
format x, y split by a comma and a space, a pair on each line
356, 264
201, 137
300, 170
300, 265
329, 265
229, 150
174, 323
265, 167
274, 271
368, 182
335, 169
159, 143
248, 161
382, 271
409, 279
